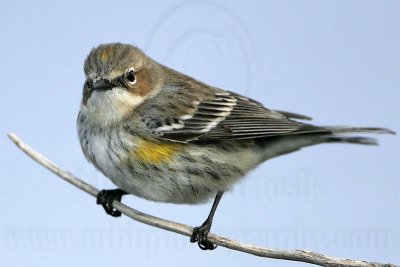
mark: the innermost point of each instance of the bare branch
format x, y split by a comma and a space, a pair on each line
292, 255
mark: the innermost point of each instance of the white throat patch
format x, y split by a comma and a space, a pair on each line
110, 106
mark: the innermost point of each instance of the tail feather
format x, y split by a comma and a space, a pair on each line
338, 132
348, 130
280, 145
352, 140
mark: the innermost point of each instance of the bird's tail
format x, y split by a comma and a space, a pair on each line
338, 134
273, 147
346, 130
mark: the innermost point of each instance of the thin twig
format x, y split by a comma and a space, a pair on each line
292, 255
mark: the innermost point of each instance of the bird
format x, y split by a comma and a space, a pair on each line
164, 136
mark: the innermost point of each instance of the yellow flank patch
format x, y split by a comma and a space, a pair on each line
152, 152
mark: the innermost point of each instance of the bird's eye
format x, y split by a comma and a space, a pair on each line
130, 76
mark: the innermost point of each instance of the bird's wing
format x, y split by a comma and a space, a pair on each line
226, 115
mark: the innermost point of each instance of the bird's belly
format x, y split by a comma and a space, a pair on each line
164, 185
192, 175
175, 174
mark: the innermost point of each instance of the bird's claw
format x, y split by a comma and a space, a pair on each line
200, 234
106, 198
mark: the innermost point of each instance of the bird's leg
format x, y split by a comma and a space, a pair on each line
106, 198
200, 233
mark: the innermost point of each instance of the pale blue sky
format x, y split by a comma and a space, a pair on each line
337, 61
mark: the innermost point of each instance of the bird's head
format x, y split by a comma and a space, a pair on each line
119, 77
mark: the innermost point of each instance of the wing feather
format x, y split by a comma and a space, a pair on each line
226, 115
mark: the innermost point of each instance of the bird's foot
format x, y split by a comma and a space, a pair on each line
106, 198
200, 234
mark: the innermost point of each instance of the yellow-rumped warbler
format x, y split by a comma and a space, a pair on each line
164, 136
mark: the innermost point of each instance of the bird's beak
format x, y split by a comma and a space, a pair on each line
102, 85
